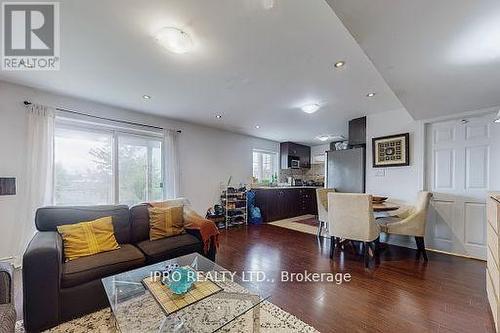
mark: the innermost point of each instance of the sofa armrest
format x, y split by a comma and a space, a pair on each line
212, 250
42, 268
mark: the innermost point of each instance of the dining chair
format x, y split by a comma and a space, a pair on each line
350, 216
322, 202
410, 223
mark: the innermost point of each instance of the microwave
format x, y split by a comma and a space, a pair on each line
295, 164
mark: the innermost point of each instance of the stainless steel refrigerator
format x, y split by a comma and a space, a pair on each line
345, 170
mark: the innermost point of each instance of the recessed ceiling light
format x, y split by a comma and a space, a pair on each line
174, 40
370, 94
218, 116
310, 108
339, 64
257, 126
146, 97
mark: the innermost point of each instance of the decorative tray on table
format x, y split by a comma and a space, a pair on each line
171, 302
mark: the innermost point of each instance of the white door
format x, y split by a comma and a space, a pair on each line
458, 173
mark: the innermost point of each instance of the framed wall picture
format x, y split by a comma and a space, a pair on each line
391, 151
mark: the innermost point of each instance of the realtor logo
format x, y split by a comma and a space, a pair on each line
30, 38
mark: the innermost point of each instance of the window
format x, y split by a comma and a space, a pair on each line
265, 165
83, 167
106, 166
139, 169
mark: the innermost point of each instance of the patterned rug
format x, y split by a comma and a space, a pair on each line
307, 224
312, 222
267, 317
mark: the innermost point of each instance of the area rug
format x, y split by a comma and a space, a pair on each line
270, 319
306, 223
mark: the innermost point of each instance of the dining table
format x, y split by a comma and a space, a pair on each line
384, 207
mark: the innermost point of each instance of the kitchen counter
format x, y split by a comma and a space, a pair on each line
282, 202
284, 187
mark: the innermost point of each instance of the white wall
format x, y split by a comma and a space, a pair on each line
400, 183
207, 156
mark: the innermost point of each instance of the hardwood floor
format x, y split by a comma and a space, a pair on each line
398, 294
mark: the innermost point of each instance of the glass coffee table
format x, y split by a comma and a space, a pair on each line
136, 310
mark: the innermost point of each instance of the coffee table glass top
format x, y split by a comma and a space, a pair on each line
136, 310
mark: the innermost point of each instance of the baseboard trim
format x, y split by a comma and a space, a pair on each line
455, 254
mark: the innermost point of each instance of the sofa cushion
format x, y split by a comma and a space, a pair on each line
100, 265
48, 218
88, 238
165, 222
139, 223
170, 247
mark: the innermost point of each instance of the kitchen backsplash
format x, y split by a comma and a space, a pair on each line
315, 173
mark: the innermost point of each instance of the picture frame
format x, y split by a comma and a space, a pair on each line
391, 151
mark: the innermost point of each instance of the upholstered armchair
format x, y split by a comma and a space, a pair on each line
7, 310
322, 202
410, 223
350, 216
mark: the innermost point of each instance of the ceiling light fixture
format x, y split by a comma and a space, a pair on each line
370, 94
339, 64
218, 116
174, 40
497, 119
323, 137
257, 126
331, 137
146, 97
310, 108
268, 4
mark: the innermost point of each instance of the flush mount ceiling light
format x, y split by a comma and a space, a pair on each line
146, 97
323, 137
257, 126
268, 4
497, 119
174, 40
339, 64
310, 108
331, 137
218, 116
370, 94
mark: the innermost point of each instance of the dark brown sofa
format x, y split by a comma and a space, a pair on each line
55, 291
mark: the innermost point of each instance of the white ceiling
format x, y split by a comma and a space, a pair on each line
439, 57
252, 65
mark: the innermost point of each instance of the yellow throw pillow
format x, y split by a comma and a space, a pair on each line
88, 238
165, 222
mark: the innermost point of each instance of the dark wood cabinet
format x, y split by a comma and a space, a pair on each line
290, 151
282, 203
357, 131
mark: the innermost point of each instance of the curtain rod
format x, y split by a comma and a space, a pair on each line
26, 103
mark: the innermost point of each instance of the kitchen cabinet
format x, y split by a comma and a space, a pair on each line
357, 131
282, 203
290, 151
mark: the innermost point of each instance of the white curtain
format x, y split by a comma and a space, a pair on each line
39, 173
172, 170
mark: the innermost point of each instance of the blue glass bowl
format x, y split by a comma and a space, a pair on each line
180, 280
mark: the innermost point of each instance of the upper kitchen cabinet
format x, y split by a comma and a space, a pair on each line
357, 131
295, 156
